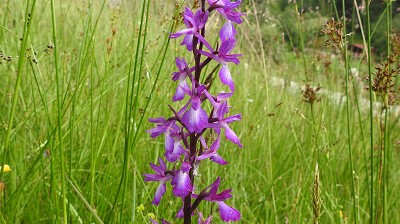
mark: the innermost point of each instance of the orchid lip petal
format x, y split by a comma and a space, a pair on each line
228, 213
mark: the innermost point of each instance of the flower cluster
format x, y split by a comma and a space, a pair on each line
185, 144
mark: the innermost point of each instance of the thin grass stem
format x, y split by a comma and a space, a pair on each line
371, 119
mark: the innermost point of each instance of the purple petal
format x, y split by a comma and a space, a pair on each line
222, 110
214, 187
223, 96
235, 17
226, 47
201, 18
227, 31
231, 136
155, 132
226, 78
195, 120
163, 166
159, 193
180, 33
230, 119
185, 167
180, 93
151, 177
181, 64
218, 159
157, 169
226, 194
157, 120
215, 146
188, 17
180, 213
228, 213
173, 149
188, 41
182, 185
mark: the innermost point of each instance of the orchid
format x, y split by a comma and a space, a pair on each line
185, 132
160, 176
227, 9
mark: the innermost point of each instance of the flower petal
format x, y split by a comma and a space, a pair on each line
231, 136
228, 213
227, 31
159, 193
182, 185
218, 159
226, 78
195, 120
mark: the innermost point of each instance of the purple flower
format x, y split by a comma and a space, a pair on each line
173, 147
223, 123
181, 182
226, 212
160, 176
195, 118
228, 31
162, 126
172, 135
211, 152
181, 76
223, 57
194, 23
227, 9
220, 109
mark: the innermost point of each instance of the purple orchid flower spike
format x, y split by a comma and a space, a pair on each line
227, 9
211, 152
161, 177
185, 145
226, 212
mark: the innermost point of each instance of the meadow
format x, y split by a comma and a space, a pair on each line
80, 79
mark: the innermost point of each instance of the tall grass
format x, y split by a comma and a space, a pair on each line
84, 77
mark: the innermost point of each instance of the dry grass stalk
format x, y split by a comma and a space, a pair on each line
316, 196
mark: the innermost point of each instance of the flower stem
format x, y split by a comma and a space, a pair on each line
187, 204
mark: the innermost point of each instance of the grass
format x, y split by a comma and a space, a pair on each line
85, 78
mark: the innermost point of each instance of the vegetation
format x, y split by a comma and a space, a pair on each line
79, 80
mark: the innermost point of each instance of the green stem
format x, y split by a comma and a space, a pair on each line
386, 124
349, 137
27, 27
59, 113
301, 41
371, 196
